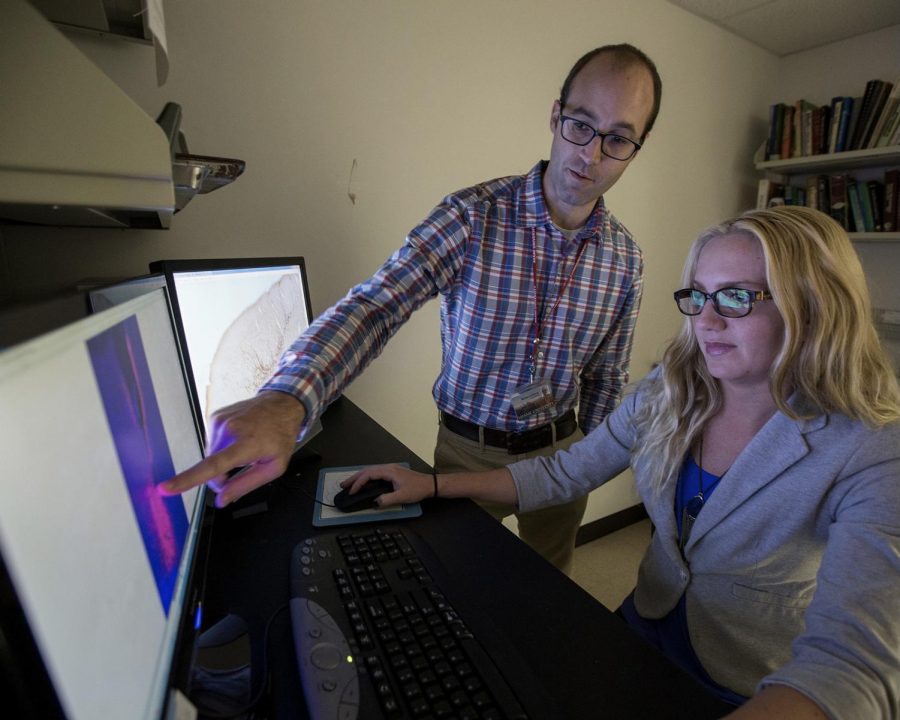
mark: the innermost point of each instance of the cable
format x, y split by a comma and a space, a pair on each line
302, 491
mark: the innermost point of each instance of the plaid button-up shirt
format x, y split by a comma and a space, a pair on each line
476, 250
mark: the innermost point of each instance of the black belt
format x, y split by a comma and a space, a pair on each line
515, 443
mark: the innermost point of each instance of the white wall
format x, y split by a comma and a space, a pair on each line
425, 97
841, 68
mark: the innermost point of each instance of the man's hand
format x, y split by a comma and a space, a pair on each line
257, 434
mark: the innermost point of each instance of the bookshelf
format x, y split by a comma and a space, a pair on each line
832, 162
866, 162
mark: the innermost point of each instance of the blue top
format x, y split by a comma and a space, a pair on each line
690, 484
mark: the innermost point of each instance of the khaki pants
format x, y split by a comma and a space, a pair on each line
550, 531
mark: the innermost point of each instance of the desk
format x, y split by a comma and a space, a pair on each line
587, 662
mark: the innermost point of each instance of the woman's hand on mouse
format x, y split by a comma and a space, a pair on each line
409, 486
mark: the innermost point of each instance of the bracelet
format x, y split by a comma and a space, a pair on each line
434, 477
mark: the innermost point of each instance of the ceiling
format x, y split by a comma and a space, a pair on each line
789, 26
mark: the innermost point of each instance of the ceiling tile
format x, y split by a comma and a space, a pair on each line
787, 26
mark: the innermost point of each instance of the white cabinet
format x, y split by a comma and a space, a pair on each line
74, 148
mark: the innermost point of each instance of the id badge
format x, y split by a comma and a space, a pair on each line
532, 398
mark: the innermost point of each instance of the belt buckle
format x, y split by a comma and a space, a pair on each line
518, 443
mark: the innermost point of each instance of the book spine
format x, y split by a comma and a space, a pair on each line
876, 199
878, 102
891, 116
891, 121
801, 135
816, 130
835, 122
864, 110
768, 191
866, 202
812, 192
858, 223
837, 186
844, 122
773, 144
826, 127
763, 190
806, 134
884, 117
789, 119
891, 187
822, 194
895, 136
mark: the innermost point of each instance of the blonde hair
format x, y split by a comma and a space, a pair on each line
830, 356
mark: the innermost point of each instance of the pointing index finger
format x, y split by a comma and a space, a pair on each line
209, 468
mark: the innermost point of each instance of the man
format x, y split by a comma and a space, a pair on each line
540, 287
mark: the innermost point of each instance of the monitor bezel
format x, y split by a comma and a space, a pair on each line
139, 284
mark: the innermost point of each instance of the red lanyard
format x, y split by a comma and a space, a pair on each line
538, 320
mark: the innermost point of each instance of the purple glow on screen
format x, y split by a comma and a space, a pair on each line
123, 376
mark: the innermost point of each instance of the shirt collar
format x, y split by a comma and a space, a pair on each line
532, 211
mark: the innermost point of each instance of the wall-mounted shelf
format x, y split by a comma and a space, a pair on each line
851, 159
868, 163
875, 237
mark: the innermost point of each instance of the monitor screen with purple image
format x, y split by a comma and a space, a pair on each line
98, 566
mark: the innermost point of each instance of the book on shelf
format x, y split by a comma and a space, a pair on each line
895, 136
891, 124
879, 100
802, 121
876, 200
885, 117
857, 218
891, 198
819, 120
766, 191
776, 122
812, 191
865, 109
836, 103
865, 201
823, 194
794, 195
837, 198
849, 114
787, 130
802, 129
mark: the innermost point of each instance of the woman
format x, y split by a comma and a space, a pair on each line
766, 448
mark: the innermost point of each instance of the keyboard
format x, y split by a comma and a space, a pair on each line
376, 637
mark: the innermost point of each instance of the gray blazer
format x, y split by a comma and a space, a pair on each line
792, 570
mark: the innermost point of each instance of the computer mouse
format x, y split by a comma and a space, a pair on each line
365, 498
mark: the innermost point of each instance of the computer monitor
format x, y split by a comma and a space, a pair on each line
99, 579
106, 296
235, 317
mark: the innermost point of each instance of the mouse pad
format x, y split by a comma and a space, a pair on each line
329, 486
